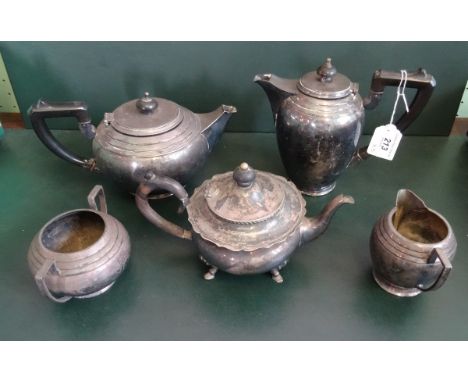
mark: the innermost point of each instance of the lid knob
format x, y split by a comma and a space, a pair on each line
326, 71
244, 175
147, 104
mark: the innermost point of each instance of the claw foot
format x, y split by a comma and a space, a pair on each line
276, 276
210, 275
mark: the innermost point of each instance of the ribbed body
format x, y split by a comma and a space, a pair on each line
176, 153
87, 271
317, 139
402, 266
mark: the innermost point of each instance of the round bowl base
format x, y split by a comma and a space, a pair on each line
395, 289
97, 293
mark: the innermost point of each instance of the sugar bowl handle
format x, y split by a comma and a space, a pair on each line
152, 183
40, 278
97, 192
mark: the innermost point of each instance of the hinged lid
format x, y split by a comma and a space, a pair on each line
246, 209
326, 83
145, 116
244, 197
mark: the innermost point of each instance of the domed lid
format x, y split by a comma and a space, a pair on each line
145, 116
326, 83
245, 209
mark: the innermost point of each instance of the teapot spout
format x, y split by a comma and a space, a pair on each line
277, 89
213, 123
313, 227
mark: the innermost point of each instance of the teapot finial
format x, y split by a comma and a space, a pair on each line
326, 71
244, 175
146, 104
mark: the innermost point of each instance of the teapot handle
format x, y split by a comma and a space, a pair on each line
420, 80
43, 109
152, 183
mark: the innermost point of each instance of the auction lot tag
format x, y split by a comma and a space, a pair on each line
384, 142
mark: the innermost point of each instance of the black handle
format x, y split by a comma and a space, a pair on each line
42, 110
420, 80
152, 183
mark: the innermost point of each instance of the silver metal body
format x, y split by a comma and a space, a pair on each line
243, 222
319, 119
317, 139
79, 253
412, 248
142, 135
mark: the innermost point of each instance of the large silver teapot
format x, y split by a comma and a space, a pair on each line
319, 120
243, 221
146, 134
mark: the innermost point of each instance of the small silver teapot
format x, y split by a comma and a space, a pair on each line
145, 134
319, 120
244, 221
79, 253
412, 247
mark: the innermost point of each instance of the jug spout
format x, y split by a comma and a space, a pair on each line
406, 202
277, 89
313, 227
213, 123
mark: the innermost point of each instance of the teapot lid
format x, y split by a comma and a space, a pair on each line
245, 209
145, 116
326, 83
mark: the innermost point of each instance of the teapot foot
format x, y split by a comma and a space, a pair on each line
395, 289
320, 190
210, 275
276, 276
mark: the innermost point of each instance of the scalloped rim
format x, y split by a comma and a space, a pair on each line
260, 244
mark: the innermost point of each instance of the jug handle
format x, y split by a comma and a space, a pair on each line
97, 191
152, 183
39, 277
43, 109
420, 80
444, 274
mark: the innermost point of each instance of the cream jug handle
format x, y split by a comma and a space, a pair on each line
152, 183
97, 191
447, 268
40, 276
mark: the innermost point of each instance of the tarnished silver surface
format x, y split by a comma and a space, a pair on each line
243, 221
412, 247
319, 120
246, 218
142, 135
79, 253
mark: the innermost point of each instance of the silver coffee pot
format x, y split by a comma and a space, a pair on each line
319, 119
